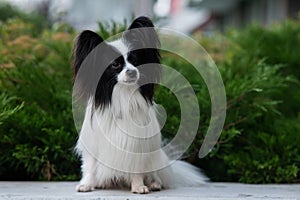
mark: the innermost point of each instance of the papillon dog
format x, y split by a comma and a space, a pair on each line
120, 140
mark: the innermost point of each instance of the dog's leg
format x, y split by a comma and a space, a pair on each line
137, 184
156, 183
88, 181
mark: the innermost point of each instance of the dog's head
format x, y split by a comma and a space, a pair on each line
133, 59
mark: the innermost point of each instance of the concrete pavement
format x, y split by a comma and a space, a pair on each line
211, 191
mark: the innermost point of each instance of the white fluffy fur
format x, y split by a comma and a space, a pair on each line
111, 142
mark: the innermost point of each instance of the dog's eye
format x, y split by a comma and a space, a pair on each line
116, 65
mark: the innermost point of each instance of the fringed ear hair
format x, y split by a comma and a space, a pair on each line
84, 43
143, 42
85, 86
140, 37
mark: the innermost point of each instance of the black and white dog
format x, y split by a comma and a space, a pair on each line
120, 140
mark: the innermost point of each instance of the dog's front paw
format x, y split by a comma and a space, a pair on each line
155, 186
140, 189
84, 188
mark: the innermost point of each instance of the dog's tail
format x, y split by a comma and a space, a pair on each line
182, 174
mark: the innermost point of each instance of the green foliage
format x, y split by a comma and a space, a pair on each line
37, 131
8, 12
259, 142
255, 91
6, 111
259, 67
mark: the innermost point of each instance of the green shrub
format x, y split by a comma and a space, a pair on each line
5, 110
260, 70
37, 140
8, 12
259, 67
38, 135
252, 106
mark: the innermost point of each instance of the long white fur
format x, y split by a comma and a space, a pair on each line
111, 142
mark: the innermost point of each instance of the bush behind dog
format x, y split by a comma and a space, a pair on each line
259, 67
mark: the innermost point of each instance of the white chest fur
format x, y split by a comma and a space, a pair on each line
123, 138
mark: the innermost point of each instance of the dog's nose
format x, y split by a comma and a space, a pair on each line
131, 73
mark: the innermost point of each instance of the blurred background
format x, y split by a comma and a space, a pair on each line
184, 15
254, 43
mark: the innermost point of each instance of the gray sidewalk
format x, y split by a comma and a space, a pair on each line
211, 191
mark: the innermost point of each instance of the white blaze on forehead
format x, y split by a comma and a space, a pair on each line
123, 49
120, 46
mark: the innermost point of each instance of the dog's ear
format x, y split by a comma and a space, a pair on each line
84, 43
141, 22
141, 34
144, 45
